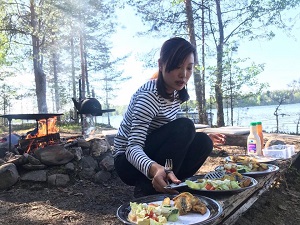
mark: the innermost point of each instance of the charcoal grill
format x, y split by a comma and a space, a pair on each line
35, 117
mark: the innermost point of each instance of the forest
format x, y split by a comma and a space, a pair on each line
65, 47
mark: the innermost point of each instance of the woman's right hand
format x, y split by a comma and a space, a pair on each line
160, 179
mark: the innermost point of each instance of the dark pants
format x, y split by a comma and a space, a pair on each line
176, 140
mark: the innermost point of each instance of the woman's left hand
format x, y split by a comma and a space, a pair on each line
217, 139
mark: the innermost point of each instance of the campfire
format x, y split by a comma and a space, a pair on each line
44, 127
46, 133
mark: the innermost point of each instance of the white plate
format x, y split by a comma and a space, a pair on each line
214, 210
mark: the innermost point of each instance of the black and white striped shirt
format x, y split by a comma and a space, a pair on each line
146, 112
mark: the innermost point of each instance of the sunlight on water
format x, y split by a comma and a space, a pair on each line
289, 115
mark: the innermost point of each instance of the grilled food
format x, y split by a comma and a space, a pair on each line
186, 202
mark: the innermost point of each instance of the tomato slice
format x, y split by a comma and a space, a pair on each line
150, 214
233, 170
209, 187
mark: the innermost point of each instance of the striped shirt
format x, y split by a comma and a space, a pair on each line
147, 111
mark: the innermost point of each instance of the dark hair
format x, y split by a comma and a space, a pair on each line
172, 54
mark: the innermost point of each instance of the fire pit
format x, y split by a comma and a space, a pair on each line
35, 117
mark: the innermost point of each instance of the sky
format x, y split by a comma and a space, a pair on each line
280, 56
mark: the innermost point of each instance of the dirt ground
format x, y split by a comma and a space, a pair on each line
86, 203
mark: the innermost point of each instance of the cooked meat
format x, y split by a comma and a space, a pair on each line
186, 202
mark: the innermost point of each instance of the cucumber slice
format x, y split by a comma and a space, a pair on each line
173, 217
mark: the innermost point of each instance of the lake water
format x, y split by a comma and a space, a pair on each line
289, 116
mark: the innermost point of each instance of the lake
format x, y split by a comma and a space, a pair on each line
289, 116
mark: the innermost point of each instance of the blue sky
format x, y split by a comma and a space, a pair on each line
280, 56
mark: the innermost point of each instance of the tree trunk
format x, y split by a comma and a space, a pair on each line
205, 119
40, 77
74, 87
197, 76
231, 92
219, 71
56, 86
83, 78
86, 73
73, 67
106, 99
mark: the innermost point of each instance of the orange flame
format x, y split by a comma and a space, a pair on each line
45, 127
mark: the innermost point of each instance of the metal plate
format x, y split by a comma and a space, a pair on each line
253, 184
214, 210
260, 159
196, 177
271, 169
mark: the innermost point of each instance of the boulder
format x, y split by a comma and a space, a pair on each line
36, 175
60, 180
98, 147
54, 155
8, 175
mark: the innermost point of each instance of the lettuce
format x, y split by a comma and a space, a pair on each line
195, 185
234, 185
224, 187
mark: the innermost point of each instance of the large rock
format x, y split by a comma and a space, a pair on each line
54, 155
8, 175
99, 146
88, 166
88, 162
107, 163
83, 143
58, 180
36, 175
17, 159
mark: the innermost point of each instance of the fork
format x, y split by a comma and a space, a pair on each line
168, 166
